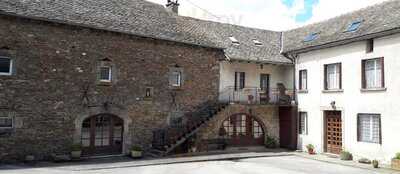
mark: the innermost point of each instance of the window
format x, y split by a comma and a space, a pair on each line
6, 121
370, 46
240, 78
234, 40
369, 128
149, 92
176, 77
105, 74
311, 37
257, 42
303, 80
333, 76
303, 123
5, 66
373, 73
354, 26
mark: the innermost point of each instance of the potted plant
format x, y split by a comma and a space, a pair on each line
271, 143
310, 149
136, 152
76, 151
396, 162
375, 163
346, 156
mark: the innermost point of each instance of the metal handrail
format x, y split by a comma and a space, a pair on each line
255, 95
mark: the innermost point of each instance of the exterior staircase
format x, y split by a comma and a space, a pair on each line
167, 139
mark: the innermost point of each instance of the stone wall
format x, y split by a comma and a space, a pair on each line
55, 83
267, 114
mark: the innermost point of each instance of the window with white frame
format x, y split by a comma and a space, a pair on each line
303, 79
303, 123
176, 78
333, 76
373, 73
5, 66
369, 128
105, 74
6, 120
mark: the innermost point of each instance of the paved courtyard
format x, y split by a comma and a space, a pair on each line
276, 165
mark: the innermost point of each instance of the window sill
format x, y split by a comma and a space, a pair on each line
333, 91
373, 90
104, 83
302, 91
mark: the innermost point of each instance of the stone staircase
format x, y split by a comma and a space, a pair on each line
167, 139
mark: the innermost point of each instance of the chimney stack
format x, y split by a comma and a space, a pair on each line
173, 6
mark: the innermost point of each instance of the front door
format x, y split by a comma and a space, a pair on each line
243, 130
102, 135
333, 132
264, 86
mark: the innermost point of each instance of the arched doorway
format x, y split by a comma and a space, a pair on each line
102, 135
242, 130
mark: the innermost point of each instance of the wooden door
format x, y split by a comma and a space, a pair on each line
102, 135
288, 127
333, 132
243, 130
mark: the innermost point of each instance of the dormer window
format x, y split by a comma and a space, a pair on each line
257, 42
234, 40
354, 26
5, 66
311, 37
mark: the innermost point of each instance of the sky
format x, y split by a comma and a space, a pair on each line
275, 15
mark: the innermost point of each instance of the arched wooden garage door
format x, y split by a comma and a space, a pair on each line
243, 130
102, 135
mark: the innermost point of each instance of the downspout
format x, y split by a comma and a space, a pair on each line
292, 58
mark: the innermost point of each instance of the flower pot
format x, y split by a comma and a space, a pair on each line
311, 151
396, 164
76, 154
375, 164
136, 154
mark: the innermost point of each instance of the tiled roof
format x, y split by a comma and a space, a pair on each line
377, 20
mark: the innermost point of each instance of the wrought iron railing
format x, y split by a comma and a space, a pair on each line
255, 95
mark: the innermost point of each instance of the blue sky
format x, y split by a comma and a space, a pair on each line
275, 15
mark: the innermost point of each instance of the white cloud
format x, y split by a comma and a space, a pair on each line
266, 14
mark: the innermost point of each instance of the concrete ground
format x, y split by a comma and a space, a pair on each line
261, 165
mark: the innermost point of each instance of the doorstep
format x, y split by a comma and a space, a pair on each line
335, 159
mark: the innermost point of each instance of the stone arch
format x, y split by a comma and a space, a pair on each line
127, 142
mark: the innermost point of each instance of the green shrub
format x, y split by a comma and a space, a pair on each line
271, 142
397, 156
310, 146
76, 147
375, 163
346, 156
136, 148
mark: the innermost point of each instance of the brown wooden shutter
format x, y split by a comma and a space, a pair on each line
358, 128
380, 130
325, 77
340, 75
236, 82
383, 71
242, 80
300, 80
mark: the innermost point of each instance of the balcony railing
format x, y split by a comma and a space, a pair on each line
255, 95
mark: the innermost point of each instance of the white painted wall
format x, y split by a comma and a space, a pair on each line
352, 101
278, 74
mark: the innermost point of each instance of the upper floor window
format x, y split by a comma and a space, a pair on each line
6, 120
5, 66
333, 76
370, 46
373, 73
369, 128
303, 123
354, 26
105, 74
240, 79
176, 78
303, 79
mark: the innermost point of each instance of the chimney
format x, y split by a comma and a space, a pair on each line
173, 5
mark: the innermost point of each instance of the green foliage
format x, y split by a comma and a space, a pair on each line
310, 146
397, 156
76, 147
375, 163
136, 148
346, 156
271, 142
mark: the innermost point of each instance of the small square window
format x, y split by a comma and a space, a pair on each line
148, 92
369, 128
311, 37
370, 46
105, 74
176, 78
6, 122
354, 26
5, 66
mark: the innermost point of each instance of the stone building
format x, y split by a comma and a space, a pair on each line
112, 74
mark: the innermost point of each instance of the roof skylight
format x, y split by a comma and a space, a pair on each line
234, 40
257, 42
354, 26
311, 37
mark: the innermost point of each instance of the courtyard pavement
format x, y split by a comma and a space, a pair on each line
278, 164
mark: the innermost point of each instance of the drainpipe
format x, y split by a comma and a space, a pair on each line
293, 58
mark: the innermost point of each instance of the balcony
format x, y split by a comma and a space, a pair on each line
255, 95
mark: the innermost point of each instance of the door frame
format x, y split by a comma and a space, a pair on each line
324, 127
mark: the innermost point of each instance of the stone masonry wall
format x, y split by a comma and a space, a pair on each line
267, 114
55, 81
